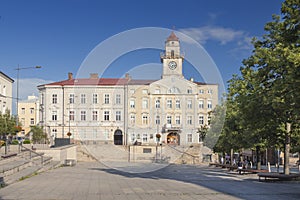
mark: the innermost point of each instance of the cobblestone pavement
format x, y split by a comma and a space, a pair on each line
91, 180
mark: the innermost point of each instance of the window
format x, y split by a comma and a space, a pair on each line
132, 104
133, 137
106, 99
71, 98
23, 121
145, 91
95, 98
177, 120
145, 104
106, 134
201, 104
54, 132
201, 91
209, 104
145, 119
23, 111
71, 115
118, 99
189, 104
54, 115
157, 103
94, 115
189, 91
189, 120
106, 115
201, 119
132, 91
31, 110
118, 115
169, 103
169, 119
157, 91
4, 90
145, 137
132, 119
54, 98
208, 120
189, 137
157, 119
210, 91
172, 53
82, 99
83, 115
177, 104
31, 121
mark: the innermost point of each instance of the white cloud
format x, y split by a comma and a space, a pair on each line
28, 87
216, 33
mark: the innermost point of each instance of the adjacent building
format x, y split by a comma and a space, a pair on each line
28, 113
128, 111
6, 84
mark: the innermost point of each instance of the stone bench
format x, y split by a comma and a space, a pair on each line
252, 171
277, 176
9, 155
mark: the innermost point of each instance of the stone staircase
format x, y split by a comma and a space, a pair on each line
23, 165
107, 152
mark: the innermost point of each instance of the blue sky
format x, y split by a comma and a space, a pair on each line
59, 34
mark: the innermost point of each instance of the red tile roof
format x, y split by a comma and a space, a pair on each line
172, 37
101, 81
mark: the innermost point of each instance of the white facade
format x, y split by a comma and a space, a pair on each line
126, 111
6, 84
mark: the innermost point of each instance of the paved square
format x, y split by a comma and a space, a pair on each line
92, 180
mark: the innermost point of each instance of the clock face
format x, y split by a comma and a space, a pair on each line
172, 65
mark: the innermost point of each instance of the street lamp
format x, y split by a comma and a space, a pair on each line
18, 72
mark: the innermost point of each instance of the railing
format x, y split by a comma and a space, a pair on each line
30, 154
183, 152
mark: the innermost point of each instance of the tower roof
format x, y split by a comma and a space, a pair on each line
172, 37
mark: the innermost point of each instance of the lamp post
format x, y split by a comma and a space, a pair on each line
18, 74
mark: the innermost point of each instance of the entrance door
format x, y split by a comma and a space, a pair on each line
173, 138
118, 137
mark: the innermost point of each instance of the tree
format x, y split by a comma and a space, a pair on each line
266, 95
8, 124
38, 135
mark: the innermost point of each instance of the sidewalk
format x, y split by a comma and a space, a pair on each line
92, 180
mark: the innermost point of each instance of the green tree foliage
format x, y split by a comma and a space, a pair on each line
38, 135
8, 124
265, 97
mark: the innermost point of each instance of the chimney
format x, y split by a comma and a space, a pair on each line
94, 76
70, 76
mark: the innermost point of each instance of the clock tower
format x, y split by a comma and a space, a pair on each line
172, 59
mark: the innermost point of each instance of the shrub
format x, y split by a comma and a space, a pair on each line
26, 142
14, 142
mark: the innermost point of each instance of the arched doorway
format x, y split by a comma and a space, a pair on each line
118, 137
173, 138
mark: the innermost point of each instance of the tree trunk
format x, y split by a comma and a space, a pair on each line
287, 149
258, 162
231, 157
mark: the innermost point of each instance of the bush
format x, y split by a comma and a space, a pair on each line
26, 142
15, 142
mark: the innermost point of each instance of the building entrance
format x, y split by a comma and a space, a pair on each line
118, 137
173, 138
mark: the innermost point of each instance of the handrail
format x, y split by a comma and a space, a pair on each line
31, 151
181, 151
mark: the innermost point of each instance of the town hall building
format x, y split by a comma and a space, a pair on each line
126, 111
